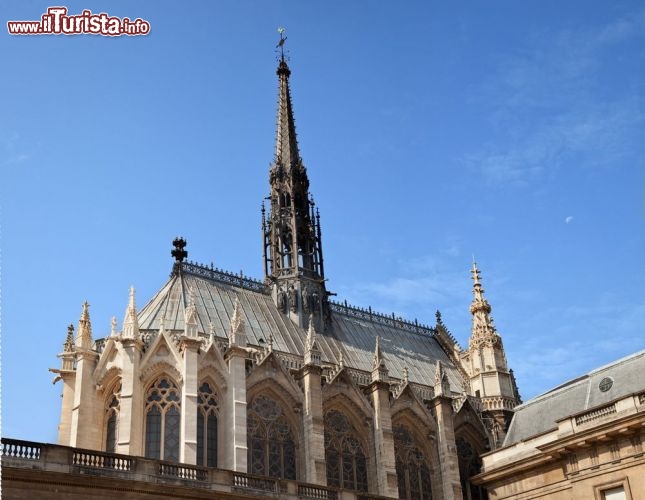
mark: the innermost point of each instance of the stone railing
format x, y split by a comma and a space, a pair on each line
222, 276
25, 458
246, 481
13, 448
183, 471
316, 492
596, 414
98, 460
497, 403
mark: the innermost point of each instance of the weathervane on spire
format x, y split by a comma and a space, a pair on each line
283, 39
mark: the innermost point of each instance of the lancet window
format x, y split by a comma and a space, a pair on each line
112, 410
469, 465
412, 470
272, 450
207, 411
346, 461
163, 418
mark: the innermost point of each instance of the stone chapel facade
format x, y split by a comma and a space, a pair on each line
273, 379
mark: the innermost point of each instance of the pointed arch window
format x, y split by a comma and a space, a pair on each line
272, 449
345, 457
469, 465
163, 417
412, 472
207, 412
113, 406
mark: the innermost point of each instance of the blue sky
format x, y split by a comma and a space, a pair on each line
431, 131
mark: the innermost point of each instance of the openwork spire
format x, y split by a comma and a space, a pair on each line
131, 322
293, 260
84, 337
483, 330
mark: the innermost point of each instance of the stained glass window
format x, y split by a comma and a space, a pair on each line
112, 420
272, 450
412, 470
207, 411
469, 465
345, 457
163, 417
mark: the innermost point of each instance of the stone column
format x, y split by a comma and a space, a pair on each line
387, 483
130, 432
87, 424
448, 460
314, 427
188, 438
64, 428
236, 421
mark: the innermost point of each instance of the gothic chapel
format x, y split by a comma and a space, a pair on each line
273, 379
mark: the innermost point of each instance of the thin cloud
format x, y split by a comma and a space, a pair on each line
547, 102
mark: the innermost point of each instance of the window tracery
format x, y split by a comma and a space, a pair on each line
272, 450
113, 407
469, 465
346, 461
207, 412
412, 470
163, 417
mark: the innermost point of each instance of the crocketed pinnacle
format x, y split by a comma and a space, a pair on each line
68, 346
131, 321
483, 330
84, 337
377, 360
286, 144
238, 327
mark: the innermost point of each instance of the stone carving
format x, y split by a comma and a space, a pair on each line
282, 300
293, 299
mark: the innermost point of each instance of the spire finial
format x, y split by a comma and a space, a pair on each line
178, 252
476, 273
280, 45
483, 329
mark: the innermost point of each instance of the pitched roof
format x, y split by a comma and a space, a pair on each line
353, 332
540, 414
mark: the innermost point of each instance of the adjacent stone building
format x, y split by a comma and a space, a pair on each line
272, 379
581, 440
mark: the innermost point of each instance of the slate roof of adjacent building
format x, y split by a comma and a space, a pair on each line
540, 414
353, 331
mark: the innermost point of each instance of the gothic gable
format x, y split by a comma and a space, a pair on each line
211, 363
342, 390
270, 371
109, 364
162, 356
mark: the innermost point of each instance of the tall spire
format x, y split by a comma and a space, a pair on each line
483, 330
293, 259
84, 337
286, 144
485, 363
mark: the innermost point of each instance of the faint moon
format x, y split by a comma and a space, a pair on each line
568, 219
